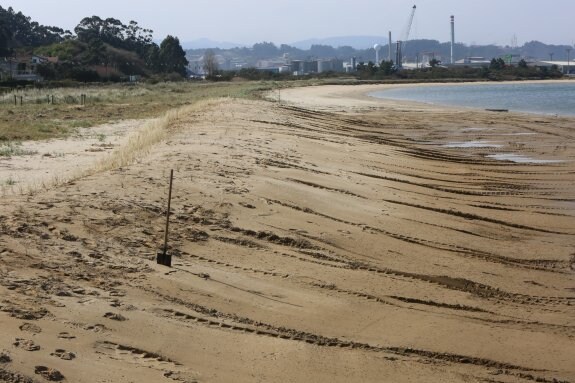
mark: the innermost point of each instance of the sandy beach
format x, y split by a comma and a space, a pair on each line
329, 237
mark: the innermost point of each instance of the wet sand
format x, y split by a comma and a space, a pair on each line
332, 238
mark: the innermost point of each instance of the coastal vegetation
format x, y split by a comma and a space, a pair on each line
497, 70
98, 50
58, 112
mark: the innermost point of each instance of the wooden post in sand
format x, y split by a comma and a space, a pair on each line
163, 257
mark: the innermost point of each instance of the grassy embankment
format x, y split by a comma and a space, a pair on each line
38, 119
161, 105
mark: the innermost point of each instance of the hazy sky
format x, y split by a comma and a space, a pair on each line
287, 21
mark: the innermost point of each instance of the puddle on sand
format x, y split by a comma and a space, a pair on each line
472, 144
521, 159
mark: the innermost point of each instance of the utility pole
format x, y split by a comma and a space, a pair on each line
452, 38
389, 47
551, 56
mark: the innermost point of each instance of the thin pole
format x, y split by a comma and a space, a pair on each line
389, 48
168, 213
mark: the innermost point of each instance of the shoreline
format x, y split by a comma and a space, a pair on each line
487, 108
333, 96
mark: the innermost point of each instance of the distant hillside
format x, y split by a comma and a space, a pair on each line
205, 43
356, 42
361, 47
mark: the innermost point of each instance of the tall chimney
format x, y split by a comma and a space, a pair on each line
389, 54
452, 37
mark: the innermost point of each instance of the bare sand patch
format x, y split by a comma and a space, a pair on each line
55, 161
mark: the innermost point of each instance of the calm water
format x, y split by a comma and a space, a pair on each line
521, 97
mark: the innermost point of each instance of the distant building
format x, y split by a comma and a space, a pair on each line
271, 69
23, 67
333, 65
473, 62
562, 66
270, 63
304, 67
196, 64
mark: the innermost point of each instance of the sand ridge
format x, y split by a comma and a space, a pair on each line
330, 238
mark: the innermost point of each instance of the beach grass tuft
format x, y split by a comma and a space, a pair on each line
12, 149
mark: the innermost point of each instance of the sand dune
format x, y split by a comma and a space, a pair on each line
332, 238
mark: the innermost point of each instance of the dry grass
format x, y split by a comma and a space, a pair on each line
138, 145
9, 149
153, 132
171, 101
36, 119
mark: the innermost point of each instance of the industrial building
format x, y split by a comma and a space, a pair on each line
304, 67
565, 67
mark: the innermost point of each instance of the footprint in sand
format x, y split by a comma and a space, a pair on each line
29, 327
26, 344
66, 335
63, 354
116, 317
171, 369
49, 373
5, 357
96, 328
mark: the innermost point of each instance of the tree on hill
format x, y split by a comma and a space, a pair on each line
113, 32
172, 56
18, 30
152, 58
265, 50
323, 51
96, 52
109, 41
4, 38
